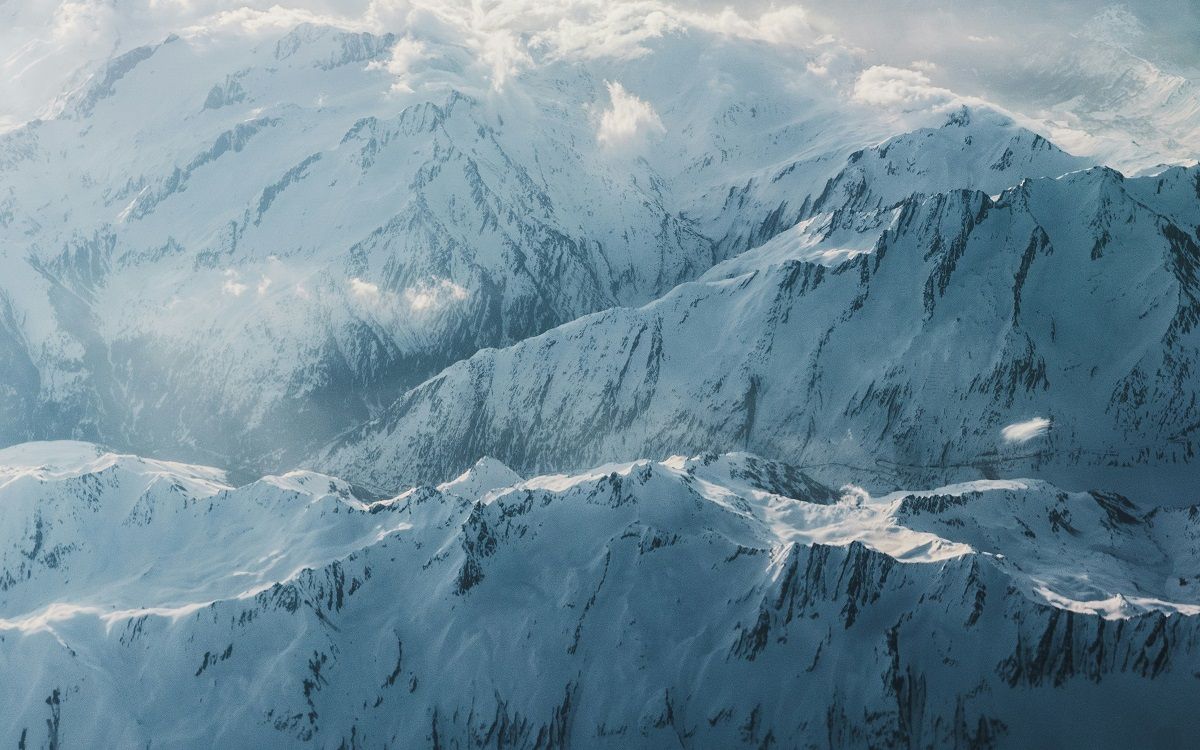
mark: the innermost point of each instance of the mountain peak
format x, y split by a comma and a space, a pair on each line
486, 475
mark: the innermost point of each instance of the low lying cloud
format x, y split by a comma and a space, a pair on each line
1023, 432
232, 286
433, 295
887, 86
628, 120
425, 297
406, 52
854, 496
365, 291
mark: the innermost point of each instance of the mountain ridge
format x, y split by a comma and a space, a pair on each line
579, 564
1014, 253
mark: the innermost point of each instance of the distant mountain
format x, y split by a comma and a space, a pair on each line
714, 601
223, 249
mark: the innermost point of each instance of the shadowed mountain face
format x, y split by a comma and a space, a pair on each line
732, 599
902, 349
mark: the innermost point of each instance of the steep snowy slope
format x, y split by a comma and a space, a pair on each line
715, 601
209, 236
244, 229
236, 250
973, 150
1067, 306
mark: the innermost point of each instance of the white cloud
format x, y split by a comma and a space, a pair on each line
854, 496
424, 297
433, 295
1034, 51
505, 56
1023, 432
260, 21
616, 30
365, 291
232, 286
787, 25
405, 54
887, 86
628, 119
263, 285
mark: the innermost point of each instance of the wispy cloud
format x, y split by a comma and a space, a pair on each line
365, 291
1132, 55
425, 297
406, 53
887, 86
1023, 432
232, 286
628, 119
433, 295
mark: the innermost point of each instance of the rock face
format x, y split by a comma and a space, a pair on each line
714, 601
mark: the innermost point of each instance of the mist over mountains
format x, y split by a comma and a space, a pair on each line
635, 375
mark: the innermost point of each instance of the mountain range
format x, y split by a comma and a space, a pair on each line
665, 400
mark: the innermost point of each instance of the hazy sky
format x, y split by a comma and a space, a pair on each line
1078, 66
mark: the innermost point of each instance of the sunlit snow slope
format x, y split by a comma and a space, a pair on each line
715, 601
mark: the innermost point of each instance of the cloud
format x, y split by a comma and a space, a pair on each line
365, 291
433, 295
887, 86
505, 56
616, 30
628, 119
855, 496
232, 286
787, 25
406, 52
1023, 432
251, 21
1117, 58
424, 297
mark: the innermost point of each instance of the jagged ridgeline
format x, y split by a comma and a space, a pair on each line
899, 343
717, 601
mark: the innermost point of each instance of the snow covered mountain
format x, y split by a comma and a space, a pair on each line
811, 422
258, 244
900, 339
713, 601
238, 251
